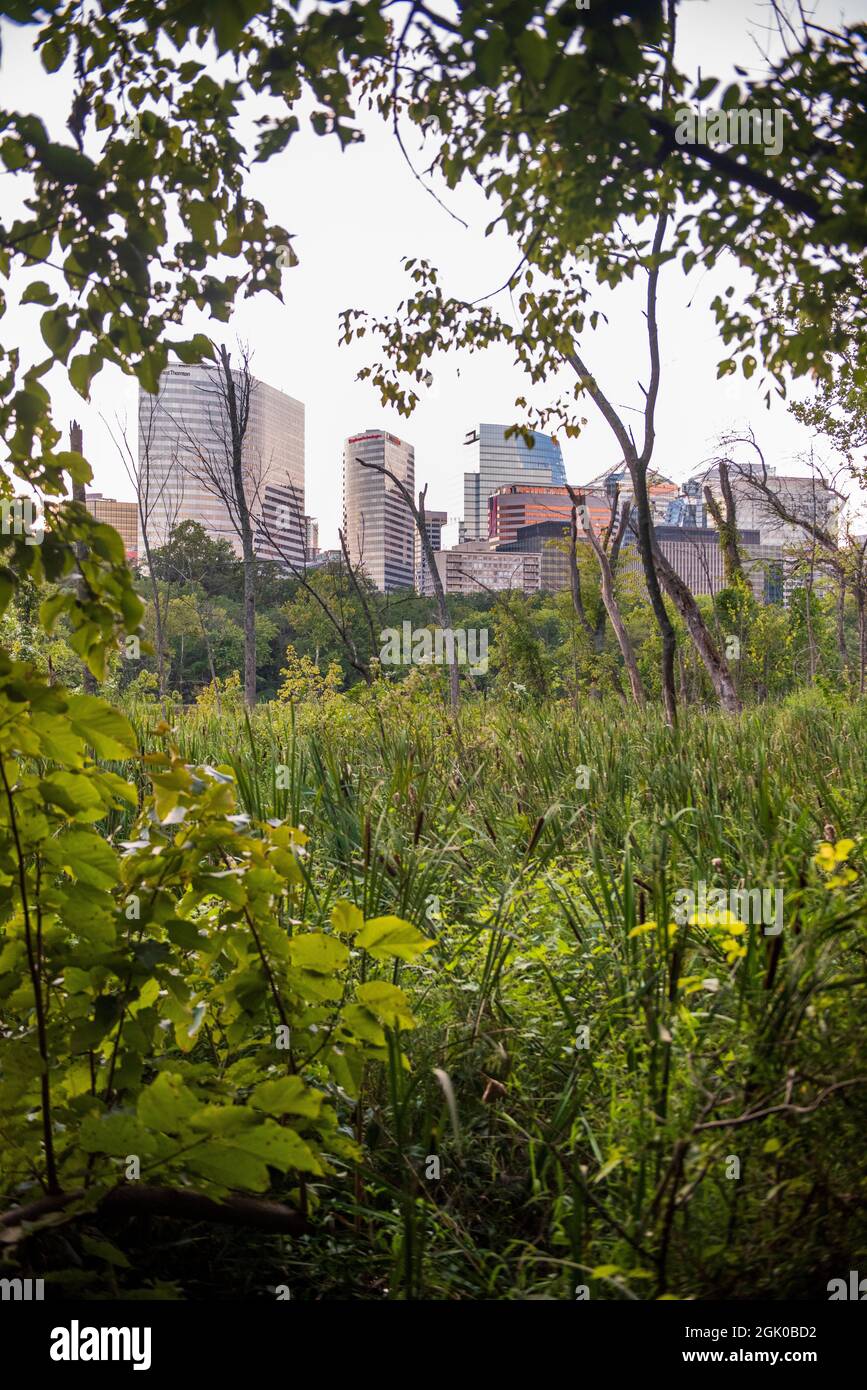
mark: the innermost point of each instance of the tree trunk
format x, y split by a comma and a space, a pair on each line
78, 495
862, 640
210, 656
440, 595
841, 631
657, 602
715, 662
613, 610
249, 622
245, 528
726, 525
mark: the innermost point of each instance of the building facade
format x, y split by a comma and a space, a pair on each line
520, 505
184, 462
123, 516
499, 460
694, 553
474, 566
378, 525
800, 495
433, 525
551, 541
661, 491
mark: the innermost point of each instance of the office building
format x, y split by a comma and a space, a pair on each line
433, 525
378, 525
520, 505
801, 495
123, 516
499, 460
661, 491
474, 566
550, 540
184, 462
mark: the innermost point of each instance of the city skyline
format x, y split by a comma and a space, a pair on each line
296, 343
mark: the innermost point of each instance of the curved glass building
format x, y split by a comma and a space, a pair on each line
499, 460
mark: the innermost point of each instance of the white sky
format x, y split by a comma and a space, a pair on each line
354, 215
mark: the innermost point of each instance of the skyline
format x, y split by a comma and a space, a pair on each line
354, 261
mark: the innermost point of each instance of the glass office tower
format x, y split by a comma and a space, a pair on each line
499, 460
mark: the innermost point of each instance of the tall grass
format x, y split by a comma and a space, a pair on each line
642, 1113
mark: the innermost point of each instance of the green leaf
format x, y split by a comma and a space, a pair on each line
104, 1250
346, 918
37, 292
387, 1002
322, 954
167, 1104
391, 936
85, 856
287, 1095
105, 729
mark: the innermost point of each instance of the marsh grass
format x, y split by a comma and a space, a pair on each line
606, 1165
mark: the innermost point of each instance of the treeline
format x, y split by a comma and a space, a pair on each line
314, 633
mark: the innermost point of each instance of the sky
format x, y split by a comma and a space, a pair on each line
354, 215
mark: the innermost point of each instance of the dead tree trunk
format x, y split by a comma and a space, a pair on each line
715, 662
727, 526
609, 598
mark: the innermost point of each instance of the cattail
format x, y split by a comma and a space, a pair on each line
537, 831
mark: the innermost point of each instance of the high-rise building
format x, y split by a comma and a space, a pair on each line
377, 523
123, 516
433, 525
185, 453
311, 528
499, 460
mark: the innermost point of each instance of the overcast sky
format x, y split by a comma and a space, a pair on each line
354, 215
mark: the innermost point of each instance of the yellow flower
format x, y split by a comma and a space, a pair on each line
829, 856
840, 880
733, 949
720, 917
653, 926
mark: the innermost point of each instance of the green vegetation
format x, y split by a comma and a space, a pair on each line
508, 908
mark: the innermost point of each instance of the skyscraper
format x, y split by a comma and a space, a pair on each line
499, 460
377, 523
433, 525
184, 454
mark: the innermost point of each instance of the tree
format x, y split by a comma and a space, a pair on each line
189, 557
553, 318
824, 548
606, 564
